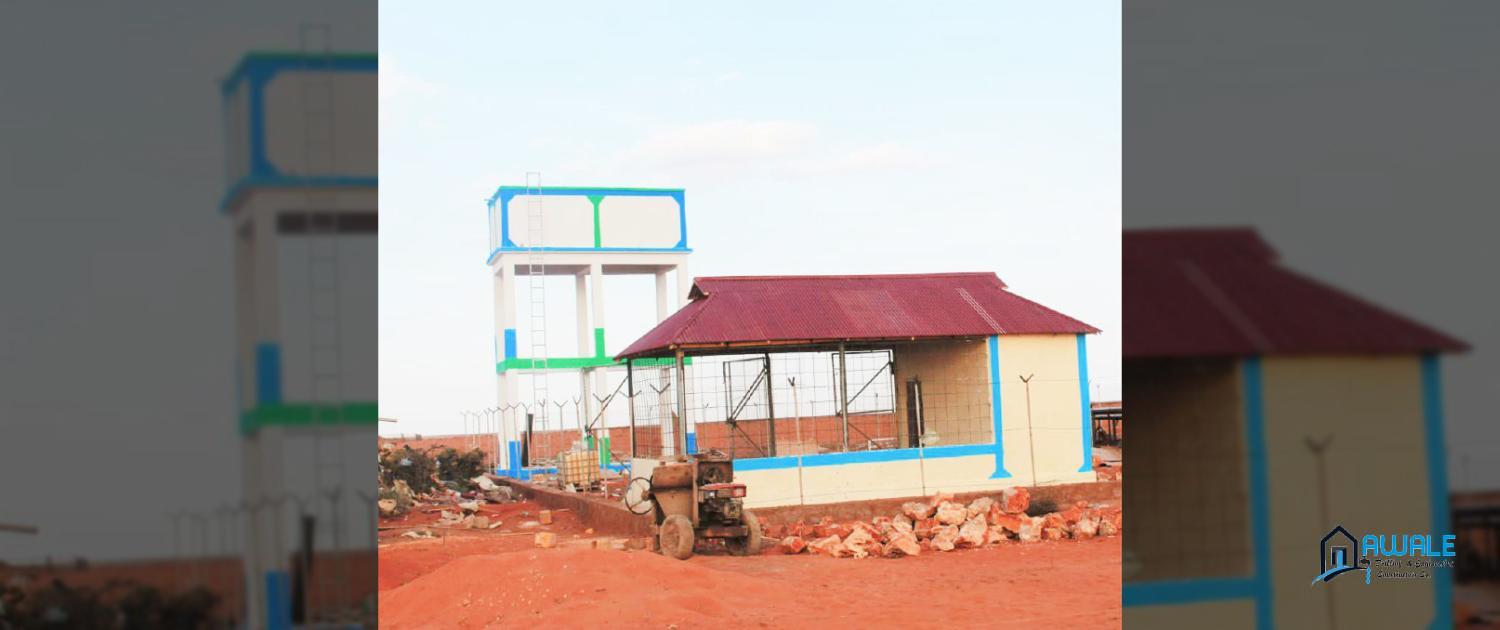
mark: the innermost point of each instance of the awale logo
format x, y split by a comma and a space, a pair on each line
1397, 556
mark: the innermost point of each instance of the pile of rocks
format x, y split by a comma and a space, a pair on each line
942, 524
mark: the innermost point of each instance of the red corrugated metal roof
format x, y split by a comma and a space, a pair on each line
743, 310
1220, 292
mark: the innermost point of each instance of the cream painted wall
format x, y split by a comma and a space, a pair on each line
866, 481
1051, 363
639, 221
567, 220
955, 390
1376, 486
355, 100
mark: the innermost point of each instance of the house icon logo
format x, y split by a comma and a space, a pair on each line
1336, 556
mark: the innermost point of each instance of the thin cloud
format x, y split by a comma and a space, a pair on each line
724, 142
886, 156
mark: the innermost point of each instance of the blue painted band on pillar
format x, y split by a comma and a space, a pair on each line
267, 373
510, 343
278, 600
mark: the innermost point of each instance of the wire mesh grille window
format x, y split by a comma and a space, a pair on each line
1192, 505
794, 403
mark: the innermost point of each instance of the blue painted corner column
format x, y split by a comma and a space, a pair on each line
1260, 502
1087, 410
995, 411
1437, 481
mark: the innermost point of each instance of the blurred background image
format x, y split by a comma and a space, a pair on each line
187, 379
1307, 343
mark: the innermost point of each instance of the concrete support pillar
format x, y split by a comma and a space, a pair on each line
261, 451
684, 283
663, 308
504, 280
599, 375
586, 411
585, 349
581, 310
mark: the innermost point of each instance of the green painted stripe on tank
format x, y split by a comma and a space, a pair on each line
595, 199
308, 414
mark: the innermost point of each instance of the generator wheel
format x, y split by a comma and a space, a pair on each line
675, 537
750, 544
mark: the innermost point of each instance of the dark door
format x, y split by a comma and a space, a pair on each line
914, 426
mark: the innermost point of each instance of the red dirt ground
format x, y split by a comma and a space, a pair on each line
473, 579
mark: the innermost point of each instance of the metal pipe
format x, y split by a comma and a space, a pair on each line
1030, 435
630, 398
844, 395
679, 428
797, 413
770, 407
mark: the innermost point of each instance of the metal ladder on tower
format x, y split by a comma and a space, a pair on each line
324, 333
536, 273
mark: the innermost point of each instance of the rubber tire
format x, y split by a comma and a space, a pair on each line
675, 537
750, 544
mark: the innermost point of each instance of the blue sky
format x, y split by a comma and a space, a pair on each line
841, 138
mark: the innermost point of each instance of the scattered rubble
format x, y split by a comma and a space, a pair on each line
944, 537
902, 544
829, 546
459, 499
949, 513
546, 540
917, 511
973, 532
793, 544
1015, 500
942, 524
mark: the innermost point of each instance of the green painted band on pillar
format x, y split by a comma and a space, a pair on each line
599, 343
308, 414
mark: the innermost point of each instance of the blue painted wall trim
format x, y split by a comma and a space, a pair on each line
864, 457
1176, 592
1087, 410
510, 343
256, 70
1437, 481
278, 600
995, 410
617, 250
282, 181
1260, 502
267, 373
